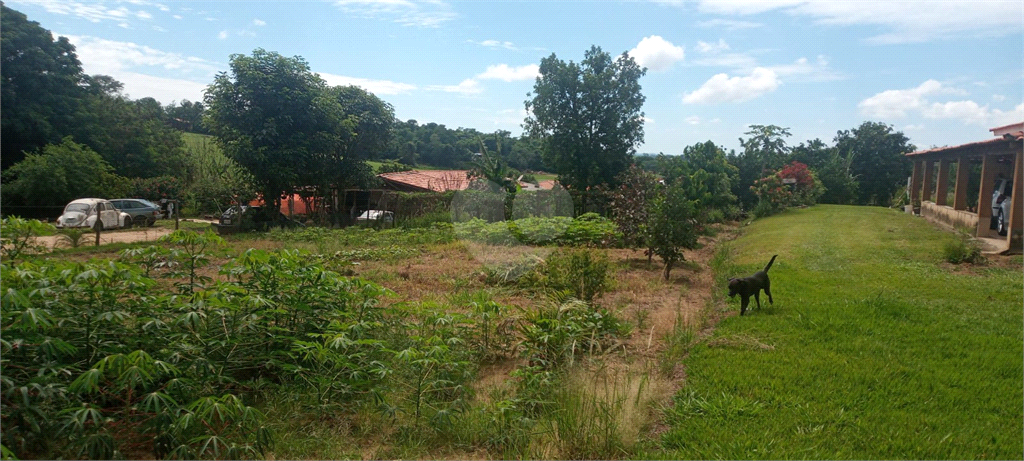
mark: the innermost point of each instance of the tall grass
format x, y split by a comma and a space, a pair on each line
873, 349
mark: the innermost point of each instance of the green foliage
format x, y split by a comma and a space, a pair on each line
212, 180
831, 168
42, 87
103, 356
704, 169
557, 334
876, 156
392, 167
774, 195
130, 135
243, 104
674, 226
320, 136
189, 255
156, 188
587, 230
58, 174
580, 272
17, 236
631, 205
434, 360
763, 151
963, 249
588, 116
72, 236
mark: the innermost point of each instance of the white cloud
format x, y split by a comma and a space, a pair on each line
466, 87
896, 103
729, 24
692, 120
377, 87
803, 70
706, 48
110, 57
899, 104
510, 74
431, 13
998, 98
656, 53
165, 90
222, 35
494, 44
967, 111
177, 16
905, 22
96, 11
722, 88
736, 61
181, 77
259, 22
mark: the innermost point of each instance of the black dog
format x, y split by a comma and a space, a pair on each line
752, 285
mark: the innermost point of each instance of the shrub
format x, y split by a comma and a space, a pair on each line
963, 249
157, 188
587, 230
774, 195
674, 226
583, 273
17, 236
554, 335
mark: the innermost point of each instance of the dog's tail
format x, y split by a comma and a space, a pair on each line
770, 263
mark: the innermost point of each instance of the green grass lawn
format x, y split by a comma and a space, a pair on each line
874, 348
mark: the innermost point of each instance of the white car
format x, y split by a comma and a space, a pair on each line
84, 212
1002, 196
377, 216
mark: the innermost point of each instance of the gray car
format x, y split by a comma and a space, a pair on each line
143, 212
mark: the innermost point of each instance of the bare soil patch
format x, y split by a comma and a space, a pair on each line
145, 234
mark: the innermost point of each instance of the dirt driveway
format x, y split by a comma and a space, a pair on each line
145, 234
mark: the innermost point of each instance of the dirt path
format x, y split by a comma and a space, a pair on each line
145, 234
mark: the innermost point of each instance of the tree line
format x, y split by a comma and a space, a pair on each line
585, 124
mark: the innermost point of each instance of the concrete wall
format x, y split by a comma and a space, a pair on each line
947, 215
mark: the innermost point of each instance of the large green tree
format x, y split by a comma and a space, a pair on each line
877, 160
40, 86
368, 123
58, 174
132, 136
764, 150
706, 166
588, 116
276, 118
831, 168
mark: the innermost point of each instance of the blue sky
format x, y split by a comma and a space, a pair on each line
943, 72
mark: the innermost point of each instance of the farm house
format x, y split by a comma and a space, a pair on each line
1000, 161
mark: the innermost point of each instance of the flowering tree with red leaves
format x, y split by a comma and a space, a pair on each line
793, 185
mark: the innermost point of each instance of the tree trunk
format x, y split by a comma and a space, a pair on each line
668, 267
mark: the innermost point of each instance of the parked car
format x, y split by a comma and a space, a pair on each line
1002, 196
246, 218
85, 211
377, 217
143, 212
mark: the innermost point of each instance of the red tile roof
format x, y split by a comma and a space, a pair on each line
428, 180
